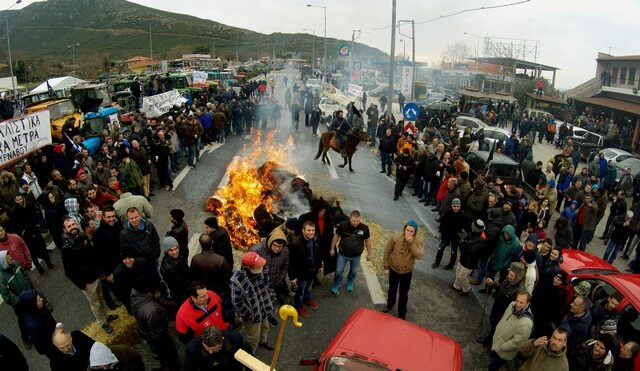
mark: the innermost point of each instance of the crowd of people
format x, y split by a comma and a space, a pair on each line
513, 242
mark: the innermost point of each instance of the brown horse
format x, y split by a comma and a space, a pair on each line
329, 141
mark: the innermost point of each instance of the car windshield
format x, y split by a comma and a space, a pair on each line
632, 163
93, 126
503, 171
61, 109
344, 363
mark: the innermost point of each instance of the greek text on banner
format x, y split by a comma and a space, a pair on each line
161, 103
22, 135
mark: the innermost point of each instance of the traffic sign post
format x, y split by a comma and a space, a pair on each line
411, 111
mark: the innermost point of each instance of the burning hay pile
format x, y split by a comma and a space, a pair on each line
273, 188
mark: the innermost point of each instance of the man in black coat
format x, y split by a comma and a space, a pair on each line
10, 354
304, 264
386, 148
404, 168
324, 232
73, 350
214, 351
107, 243
140, 237
82, 266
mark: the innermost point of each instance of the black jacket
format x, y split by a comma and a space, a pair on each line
470, 250
81, 260
213, 270
303, 266
144, 243
387, 144
197, 359
222, 244
175, 273
79, 361
107, 242
151, 318
452, 223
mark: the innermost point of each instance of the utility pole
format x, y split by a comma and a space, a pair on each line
150, 48
353, 38
392, 60
413, 52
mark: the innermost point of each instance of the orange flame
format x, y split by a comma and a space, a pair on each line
235, 202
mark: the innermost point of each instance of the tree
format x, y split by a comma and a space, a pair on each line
456, 53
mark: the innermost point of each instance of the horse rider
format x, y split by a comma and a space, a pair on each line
340, 127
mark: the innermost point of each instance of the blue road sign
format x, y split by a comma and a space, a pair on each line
411, 111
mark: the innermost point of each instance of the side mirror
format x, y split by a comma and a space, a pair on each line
309, 362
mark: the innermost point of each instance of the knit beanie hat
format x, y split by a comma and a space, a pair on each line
477, 226
168, 242
609, 326
456, 202
533, 238
583, 288
177, 215
101, 355
413, 224
529, 256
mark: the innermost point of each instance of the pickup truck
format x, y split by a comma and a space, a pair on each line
500, 167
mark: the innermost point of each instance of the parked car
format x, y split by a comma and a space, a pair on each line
587, 142
328, 106
632, 163
538, 114
499, 166
581, 262
614, 154
372, 340
464, 122
493, 135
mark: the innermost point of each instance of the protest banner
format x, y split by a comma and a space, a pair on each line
21, 136
200, 77
160, 104
355, 90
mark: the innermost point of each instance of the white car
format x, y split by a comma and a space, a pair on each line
313, 84
328, 106
464, 122
615, 154
493, 135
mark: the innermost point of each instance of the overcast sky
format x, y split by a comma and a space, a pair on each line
570, 32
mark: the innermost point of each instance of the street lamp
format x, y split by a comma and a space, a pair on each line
313, 45
13, 83
477, 46
324, 68
73, 58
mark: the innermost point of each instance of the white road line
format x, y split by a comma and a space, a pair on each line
181, 176
194, 247
332, 170
214, 146
225, 179
373, 284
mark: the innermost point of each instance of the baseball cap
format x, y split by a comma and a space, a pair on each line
253, 260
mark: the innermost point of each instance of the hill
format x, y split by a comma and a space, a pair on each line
107, 32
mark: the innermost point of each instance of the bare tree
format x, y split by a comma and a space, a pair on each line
456, 53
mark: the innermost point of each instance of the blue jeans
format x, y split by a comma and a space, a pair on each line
585, 238
496, 362
303, 293
173, 157
483, 263
342, 263
612, 251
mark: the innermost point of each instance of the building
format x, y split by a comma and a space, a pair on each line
612, 93
198, 62
140, 64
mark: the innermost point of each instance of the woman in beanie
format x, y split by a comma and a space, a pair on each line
400, 255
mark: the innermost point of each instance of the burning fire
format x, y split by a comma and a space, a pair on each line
235, 202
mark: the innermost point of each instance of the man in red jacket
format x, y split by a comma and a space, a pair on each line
203, 308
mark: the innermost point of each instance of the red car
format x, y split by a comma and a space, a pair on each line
371, 340
582, 262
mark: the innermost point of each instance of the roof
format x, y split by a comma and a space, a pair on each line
554, 100
576, 261
45, 104
58, 83
397, 344
520, 63
140, 58
498, 158
609, 57
492, 96
616, 104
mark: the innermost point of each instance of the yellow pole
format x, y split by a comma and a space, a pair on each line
285, 312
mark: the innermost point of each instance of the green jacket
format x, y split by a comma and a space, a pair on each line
132, 173
610, 175
13, 282
511, 332
507, 251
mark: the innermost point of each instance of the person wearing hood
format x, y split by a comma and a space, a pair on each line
505, 294
546, 354
174, 270
592, 355
82, 266
115, 357
221, 239
180, 231
252, 297
275, 251
470, 248
400, 256
578, 323
153, 323
8, 188
13, 283
139, 235
512, 331
319, 215
507, 251
38, 321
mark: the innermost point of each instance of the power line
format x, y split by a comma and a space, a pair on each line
473, 9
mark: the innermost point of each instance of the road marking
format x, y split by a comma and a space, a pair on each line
373, 284
183, 173
194, 247
332, 170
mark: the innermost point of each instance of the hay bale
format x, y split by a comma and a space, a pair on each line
125, 329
